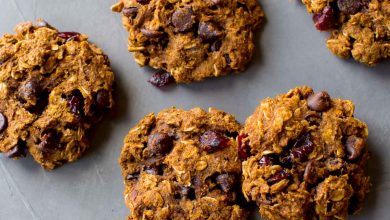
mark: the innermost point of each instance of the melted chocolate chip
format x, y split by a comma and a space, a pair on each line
132, 176
3, 122
215, 46
151, 33
227, 182
183, 19
349, 6
19, 150
49, 141
212, 141
185, 192
30, 90
319, 101
210, 31
354, 146
159, 144
103, 99
130, 12
143, 2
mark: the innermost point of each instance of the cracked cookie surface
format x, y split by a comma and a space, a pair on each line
192, 40
305, 157
183, 165
53, 87
359, 28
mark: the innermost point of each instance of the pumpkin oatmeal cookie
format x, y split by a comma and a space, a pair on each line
191, 40
183, 165
305, 156
53, 87
359, 28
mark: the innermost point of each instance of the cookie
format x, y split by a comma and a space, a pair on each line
359, 28
183, 165
191, 40
304, 157
53, 87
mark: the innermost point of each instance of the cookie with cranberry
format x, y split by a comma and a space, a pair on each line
191, 40
305, 155
183, 165
53, 87
359, 28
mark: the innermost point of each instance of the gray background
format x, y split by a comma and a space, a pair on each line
290, 52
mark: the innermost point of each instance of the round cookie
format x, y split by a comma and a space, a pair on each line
53, 87
305, 157
183, 165
360, 28
192, 40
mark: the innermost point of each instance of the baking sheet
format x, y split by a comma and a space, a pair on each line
290, 52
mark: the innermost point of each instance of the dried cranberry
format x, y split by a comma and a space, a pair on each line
267, 160
161, 79
159, 144
68, 36
243, 146
325, 20
349, 6
143, 2
76, 102
279, 176
3, 122
212, 141
302, 148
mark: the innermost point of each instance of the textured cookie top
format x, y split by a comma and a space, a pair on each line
53, 87
305, 156
361, 28
192, 40
182, 165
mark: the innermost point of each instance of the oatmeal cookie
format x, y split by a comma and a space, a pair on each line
359, 28
192, 40
183, 165
304, 157
53, 87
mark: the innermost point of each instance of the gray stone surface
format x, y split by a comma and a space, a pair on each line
290, 52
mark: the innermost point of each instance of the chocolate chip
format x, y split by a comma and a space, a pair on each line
143, 2
41, 23
212, 141
185, 192
76, 102
103, 99
68, 36
183, 19
227, 182
49, 141
130, 12
19, 150
3, 122
209, 31
132, 176
326, 20
310, 173
227, 59
314, 118
243, 146
319, 101
151, 33
215, 46
349, 6
161, 79
279, 176
159, 144
354, 146
30, 90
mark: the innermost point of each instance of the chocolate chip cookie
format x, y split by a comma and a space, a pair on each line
359, 28
183, 165
305, 155
191, 40
53, 87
